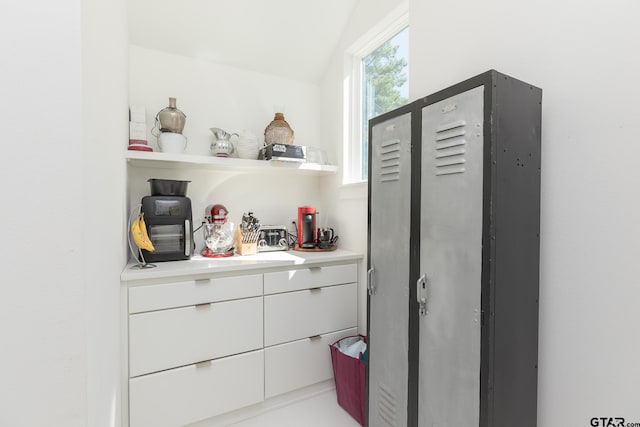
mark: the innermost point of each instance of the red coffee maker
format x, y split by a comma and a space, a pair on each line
307, 227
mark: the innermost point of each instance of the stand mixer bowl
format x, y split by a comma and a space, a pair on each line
219, 237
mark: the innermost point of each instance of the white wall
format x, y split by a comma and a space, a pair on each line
349, 207
216, 95
105, 134
582, 55
62, 248
272, 197
48, 275
42, 321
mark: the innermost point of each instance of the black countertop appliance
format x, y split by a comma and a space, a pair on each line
167, 213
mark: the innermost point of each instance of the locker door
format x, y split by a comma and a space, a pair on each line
451, 261
389, 209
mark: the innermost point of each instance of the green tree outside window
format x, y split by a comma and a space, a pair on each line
384, 84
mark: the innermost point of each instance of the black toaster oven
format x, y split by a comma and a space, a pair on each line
169, 226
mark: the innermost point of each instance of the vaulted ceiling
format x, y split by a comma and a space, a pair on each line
289, 38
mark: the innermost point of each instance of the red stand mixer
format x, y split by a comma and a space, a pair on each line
218, 232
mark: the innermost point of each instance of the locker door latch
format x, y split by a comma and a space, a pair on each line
421, 294
370, 287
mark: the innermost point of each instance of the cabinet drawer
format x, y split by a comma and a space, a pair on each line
299, 363
168, 338
191, 292
301, 314
306, 278
184, 395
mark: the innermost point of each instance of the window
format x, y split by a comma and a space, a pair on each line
379, 82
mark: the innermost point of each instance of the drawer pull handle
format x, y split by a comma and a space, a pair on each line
203, 305
202, 281
203, 364
314, 337
315, 289
315, 268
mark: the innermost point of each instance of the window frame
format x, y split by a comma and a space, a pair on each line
353, 97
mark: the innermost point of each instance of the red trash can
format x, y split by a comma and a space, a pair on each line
349, 374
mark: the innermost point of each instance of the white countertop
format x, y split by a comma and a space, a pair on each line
201, 265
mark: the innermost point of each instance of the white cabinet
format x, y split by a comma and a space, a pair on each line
192, 292
303, 314
202, 345
195, 349
307, 278
165, 339
299, 363
305, 310
184, 395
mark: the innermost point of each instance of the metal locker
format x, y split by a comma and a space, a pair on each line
388, 270
473, 257
451, 261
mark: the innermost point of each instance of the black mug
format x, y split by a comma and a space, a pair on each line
326, 238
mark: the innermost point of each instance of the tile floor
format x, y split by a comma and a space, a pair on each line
321, 410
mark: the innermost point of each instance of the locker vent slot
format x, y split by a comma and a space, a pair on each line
387, 406
450, 148
447, 152
448, 134
390, 143
389, 152
452, 125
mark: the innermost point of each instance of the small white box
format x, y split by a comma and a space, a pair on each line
138, 114
137, 131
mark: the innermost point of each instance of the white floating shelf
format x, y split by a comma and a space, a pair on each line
170, 161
